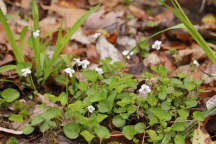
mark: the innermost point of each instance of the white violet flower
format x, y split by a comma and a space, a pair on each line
196, 63
156, 45
83, 63
99, 70
145, 89
91, 109
126, 52
25, 71
69, 71
77, 60
36, 33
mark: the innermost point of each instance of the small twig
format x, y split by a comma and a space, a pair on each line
11, 131
143, 140
202, 6
114, 135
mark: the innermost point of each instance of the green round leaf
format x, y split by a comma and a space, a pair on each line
179, 139
199, 116
87, 135
129, 132
16, 118
72, 130
118, 121
27, 129
10, 94
102, 132
140, 127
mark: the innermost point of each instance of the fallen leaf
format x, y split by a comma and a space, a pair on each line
127, 42
151, 60
209, 21
186, 69
92, 54
3, 7
167, 61
211, 102
210, 68
111, 3
200, 136
137, 12
26, 4
81, 37
98, 21
166, 16
106, 49
72, 3
71, 15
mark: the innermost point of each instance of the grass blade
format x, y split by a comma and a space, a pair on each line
60, 45
36, 41
7, 68
22, 37
17, 52
178, 11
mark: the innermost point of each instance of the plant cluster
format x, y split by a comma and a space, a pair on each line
156, 106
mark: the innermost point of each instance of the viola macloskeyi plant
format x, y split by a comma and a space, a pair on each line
104, 93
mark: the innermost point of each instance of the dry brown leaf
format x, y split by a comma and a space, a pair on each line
111, 3
167, 61
92, 54
7, 59
186, 69
175, 45
210, 69
195, 50
127, 42
48, 24
72, 3
26, 4
151, 60
98, 21
166, 16
137, 12
200, 136
106, 49
94, 2
209, 21
3, 7
71, 15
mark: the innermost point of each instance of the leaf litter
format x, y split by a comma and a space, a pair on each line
120, 27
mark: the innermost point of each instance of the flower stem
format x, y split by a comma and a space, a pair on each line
32, 83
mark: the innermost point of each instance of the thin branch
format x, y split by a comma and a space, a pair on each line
11, 131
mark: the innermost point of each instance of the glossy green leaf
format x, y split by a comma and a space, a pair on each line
129, 132
72, 130
10, 94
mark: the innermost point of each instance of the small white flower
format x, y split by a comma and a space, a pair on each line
83, 63
99, 70
196, 63
36, 33
214, 75
91, 109
77, 60
156, 45
69, 71
25, 71
126, 52
145, 89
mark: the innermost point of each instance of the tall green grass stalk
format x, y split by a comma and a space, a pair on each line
17, 52
61, 42
179, 13
36, 42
